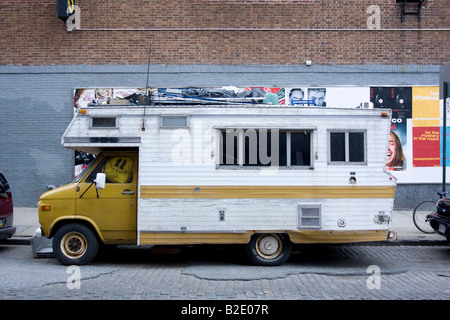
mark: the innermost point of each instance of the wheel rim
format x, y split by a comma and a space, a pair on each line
73, 245
269, 246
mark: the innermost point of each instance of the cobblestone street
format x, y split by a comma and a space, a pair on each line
208, 273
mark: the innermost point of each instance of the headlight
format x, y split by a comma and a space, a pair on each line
46, 207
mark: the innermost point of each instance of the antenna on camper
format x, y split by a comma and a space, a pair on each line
148, 100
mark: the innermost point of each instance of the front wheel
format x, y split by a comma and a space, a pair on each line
75, 244
269, 249
420, 216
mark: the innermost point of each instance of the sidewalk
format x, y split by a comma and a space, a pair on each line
407, 233
26, 221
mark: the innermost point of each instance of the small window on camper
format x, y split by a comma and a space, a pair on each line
265, 147
309, 216
110, 122
174, 121
347, 147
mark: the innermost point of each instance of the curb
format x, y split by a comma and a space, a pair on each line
26, 241
406, 242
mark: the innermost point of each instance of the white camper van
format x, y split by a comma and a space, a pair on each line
258, 175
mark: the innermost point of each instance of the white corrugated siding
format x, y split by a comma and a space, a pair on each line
256, 214
187, 157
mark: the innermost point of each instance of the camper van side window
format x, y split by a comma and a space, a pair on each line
117, 169
103, 122
174, 122
265, 147
347, 147
309, 216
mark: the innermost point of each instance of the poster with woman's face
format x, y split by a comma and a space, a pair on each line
399, 100
395, 159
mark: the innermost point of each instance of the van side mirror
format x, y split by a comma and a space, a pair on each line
100, 181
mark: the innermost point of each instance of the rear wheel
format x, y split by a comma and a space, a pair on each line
75, 244
269, 249
420, 216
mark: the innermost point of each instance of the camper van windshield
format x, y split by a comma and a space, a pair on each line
83, 172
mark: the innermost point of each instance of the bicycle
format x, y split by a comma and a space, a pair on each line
423, 211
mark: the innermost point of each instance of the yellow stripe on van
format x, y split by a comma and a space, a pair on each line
266, 192
166, 238
296, 236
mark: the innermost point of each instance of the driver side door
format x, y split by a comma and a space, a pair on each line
113, 209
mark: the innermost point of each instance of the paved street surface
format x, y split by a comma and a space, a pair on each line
417, 266
207, 272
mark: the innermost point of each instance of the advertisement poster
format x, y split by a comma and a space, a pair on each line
447, 162
276, 95
399, 100
84, 97
415, 146
311, 97
426, 127
336, 97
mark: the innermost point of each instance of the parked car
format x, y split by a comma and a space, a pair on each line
440, 220
7, 229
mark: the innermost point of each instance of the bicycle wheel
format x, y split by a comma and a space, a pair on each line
420, 216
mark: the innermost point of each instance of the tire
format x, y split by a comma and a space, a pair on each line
75, 244
420, 216
269, 249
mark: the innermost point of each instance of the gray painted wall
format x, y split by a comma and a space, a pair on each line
36, 107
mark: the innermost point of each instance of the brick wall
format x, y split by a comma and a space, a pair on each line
194, 43
233, 32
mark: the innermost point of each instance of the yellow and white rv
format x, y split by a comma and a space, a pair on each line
258, 175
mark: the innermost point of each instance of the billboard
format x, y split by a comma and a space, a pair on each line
415, 148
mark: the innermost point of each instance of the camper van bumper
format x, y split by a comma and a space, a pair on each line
41, 246
392, 235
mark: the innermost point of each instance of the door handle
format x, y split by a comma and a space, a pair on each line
127, 192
